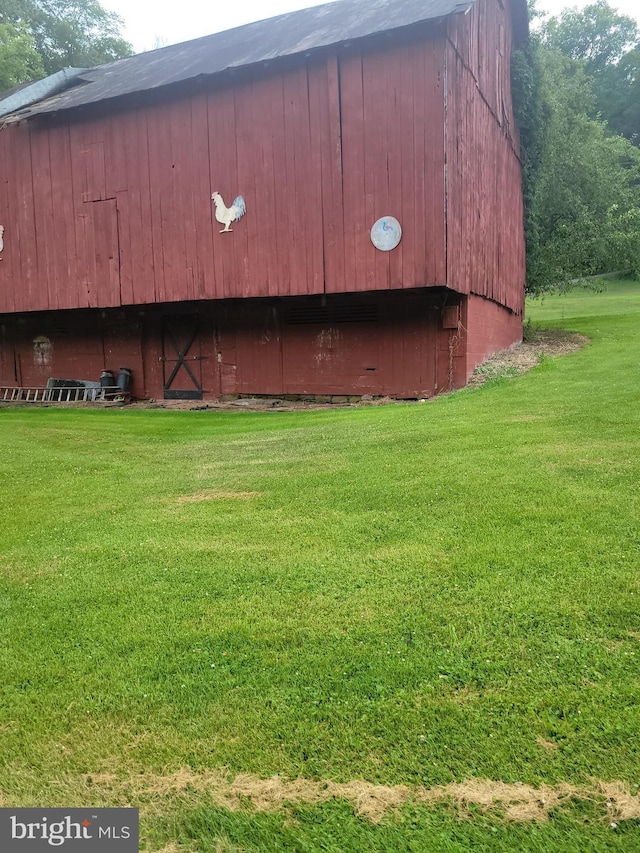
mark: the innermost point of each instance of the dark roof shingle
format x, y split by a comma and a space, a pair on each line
285, 35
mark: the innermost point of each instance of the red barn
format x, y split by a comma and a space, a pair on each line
374, 147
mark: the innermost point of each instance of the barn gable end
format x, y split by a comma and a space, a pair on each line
109, 223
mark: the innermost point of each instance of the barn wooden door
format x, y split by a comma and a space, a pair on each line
181, 358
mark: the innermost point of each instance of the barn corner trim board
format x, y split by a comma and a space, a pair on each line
365, 160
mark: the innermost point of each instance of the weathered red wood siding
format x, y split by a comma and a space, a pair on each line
361, 345
115, 209
382, 344
37, 346
393, 164
485, 235
487, 329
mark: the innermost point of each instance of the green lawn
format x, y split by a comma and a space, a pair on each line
596, 298
409, 595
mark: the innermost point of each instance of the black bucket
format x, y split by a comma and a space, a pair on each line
107, 379
124, 379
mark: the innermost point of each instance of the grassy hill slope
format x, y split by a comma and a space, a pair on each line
416, 596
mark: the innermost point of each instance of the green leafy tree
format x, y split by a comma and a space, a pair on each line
63, 33
607, 45
624, 99
581, 181
596, 35
19, 59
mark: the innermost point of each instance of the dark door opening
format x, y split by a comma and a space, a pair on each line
181, 358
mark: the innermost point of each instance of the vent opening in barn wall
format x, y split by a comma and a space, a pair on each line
373, 242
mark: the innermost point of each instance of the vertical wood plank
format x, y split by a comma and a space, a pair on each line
436, 215
269, 201
282, 194
296, 151
400, 123
117, 154
45, 238
161, 198
63, 194
309, 176
324, 92
7, 291
182, 220
139, 218
228, 252
105, 287
250, 277
353, 171
201, 248
377, 100
31, 295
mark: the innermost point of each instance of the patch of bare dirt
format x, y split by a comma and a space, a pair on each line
172, 847
547, 744
621, 803
216, 496
516, 802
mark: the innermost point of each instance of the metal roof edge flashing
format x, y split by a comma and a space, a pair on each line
40, 89
463, 8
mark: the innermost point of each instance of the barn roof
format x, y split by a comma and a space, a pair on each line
274, 38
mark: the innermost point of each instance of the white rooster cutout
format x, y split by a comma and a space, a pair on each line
226, 215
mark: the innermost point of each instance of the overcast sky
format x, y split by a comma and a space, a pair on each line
155, 23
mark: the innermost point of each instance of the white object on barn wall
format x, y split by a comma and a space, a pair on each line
226, 215
386, 233
1, 239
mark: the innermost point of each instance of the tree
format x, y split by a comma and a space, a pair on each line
597, 35
63, 33
19, 59
607, 46
582, 182
624, 99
